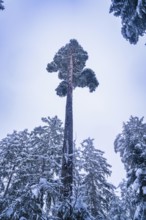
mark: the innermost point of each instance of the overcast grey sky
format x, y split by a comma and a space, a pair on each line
32, 31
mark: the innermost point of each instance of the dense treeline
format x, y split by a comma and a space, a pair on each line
30, 170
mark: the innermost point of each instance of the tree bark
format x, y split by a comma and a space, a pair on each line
67, 162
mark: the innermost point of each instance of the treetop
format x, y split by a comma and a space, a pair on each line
82, 77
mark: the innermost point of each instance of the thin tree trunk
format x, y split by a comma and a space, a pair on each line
67, 162
9, 181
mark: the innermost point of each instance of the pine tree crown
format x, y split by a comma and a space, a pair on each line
82, 77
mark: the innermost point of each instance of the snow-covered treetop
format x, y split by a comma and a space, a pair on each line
82, 77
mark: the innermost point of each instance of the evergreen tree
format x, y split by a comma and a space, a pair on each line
30, 166
122, 205
94, 187
131, 144
127, 197
69, 62
133, 17
12, 153
115, 209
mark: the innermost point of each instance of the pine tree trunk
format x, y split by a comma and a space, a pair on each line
67, 162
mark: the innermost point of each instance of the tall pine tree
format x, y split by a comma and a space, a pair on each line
69, 62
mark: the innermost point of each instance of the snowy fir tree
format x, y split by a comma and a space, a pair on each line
70, 62
122, 205
133, 17
14, 150
116, 211
127, 200
95, 190
1, 5
30, 165
131, 144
